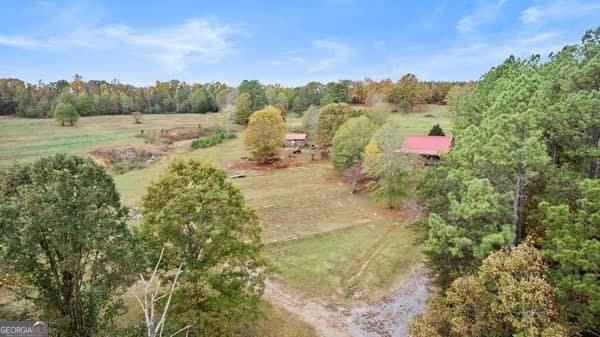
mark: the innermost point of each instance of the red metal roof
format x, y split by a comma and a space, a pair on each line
295, 136
427, 145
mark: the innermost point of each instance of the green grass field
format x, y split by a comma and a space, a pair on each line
27, 139
323, 240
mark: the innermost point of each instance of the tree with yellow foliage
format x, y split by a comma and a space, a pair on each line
265, 133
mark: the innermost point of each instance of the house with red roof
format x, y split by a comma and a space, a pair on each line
429, 147
295, 139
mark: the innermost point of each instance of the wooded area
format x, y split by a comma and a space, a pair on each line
95, 97
512, 238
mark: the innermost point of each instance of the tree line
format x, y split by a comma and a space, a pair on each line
512, 235
99, 97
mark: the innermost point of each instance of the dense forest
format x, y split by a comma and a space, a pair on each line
100, 97
513, 232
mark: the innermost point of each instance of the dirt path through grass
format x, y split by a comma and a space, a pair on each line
388, 317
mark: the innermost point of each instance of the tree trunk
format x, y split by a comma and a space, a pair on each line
515, 211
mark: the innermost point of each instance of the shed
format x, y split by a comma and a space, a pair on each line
295, 139
429, 147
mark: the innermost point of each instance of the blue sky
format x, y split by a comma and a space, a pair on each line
287, 42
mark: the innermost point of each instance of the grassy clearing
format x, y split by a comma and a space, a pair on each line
281, 322
24, 139
362, 261
420, 122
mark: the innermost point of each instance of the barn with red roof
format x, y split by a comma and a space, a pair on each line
430, 147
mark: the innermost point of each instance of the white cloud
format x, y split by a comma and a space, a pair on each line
196, 40
485, 11
558, 10
472, 60
339, 54
19, 42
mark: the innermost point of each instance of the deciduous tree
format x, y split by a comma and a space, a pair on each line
65, 112
508, 296
386, 166
64, 240
243, 108
349, 142
205, 224
330, 118
310, 119
265, 133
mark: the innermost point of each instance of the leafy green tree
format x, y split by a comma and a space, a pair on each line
379, 113
305, 96
350, 140
436, 130
330, 118
65, 112
64, 241
456, 94
573, 244
310, 119
199, 101
257, 94
386, 167
407, 90
265, 133
243, 108
335, 93
85, 105
203, 220
477, 224
508, 296
404, 106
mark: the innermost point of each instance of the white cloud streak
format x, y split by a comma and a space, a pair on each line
477, 56
196, 40
557, 11
339, 54
485, 11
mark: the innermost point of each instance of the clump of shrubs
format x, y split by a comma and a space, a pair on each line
219, 137
279, 164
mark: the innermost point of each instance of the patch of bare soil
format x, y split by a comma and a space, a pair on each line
388, 317
283, 161
126, 158
168, 136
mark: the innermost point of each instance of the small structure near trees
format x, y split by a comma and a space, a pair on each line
137, 117
295, 139
428, 147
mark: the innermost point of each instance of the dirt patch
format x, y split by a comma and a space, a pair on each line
122, 159
388, 317
168, 136
284, 161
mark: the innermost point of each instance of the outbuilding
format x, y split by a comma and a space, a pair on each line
428, 147
295, 139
